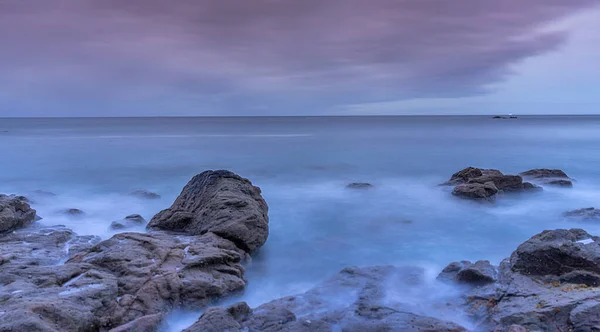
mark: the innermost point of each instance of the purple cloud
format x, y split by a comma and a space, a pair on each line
231, 56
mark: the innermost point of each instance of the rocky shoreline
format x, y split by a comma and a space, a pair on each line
193, 253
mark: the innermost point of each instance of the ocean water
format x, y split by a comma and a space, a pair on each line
303, 164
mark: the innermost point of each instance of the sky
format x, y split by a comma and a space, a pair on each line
292, 57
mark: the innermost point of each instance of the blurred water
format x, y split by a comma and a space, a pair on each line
303, 164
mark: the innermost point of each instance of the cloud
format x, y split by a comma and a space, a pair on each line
110, 57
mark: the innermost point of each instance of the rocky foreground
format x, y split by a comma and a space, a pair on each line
54, 280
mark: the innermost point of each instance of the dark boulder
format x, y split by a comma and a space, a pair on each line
149, 323
501, 181
553, 177
478, 273
144, 194
585, 214
476, 191
359, 185
552, 254
15, 213
220, 202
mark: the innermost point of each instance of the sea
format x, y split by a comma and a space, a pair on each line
303, 164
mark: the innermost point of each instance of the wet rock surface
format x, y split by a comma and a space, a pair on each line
478, 273
144, 194
131, 221
584, 214
360, 305
483, 184
553, 177
220, 202
73, 212
550, 283
53, 280
15, 213
359, 185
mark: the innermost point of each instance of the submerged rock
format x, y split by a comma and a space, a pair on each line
220, 202
585, 214
73, 212
353, 300
145, 194
15, 213
134, 220
476, 191
554, 177
464, 175
359, 185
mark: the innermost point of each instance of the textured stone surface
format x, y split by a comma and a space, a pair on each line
15, 213
476, 191
220, 202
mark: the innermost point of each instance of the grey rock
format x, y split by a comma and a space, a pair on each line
157, 272
360, 305
464, 175
144, 194
557, 252
220, 202
149, 323
502, 182
586, 317
134, 220
15, 213
540, 173
553, 177
359, 185
476, 274
476, 191
585, 214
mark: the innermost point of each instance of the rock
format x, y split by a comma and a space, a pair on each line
353, 300
145, 194
555, 253
220, 202
134, 220
560, 183
554, 177
73, 212
478, 273
464, 175
500, 181
15, 213
499, 117
476, 191
43, 193
359, 185
528, 186
159, 271
585, 214
543, 173
586, 317
149, 323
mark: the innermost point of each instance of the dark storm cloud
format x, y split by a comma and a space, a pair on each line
211, 56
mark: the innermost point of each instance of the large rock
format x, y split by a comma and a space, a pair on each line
354, 300
220, 202
158, 272
144, 194
484, 184
548, 284
15, 213
556, 253
464, 175
554, 177
476, 191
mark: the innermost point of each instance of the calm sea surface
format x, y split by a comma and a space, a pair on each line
302, 165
